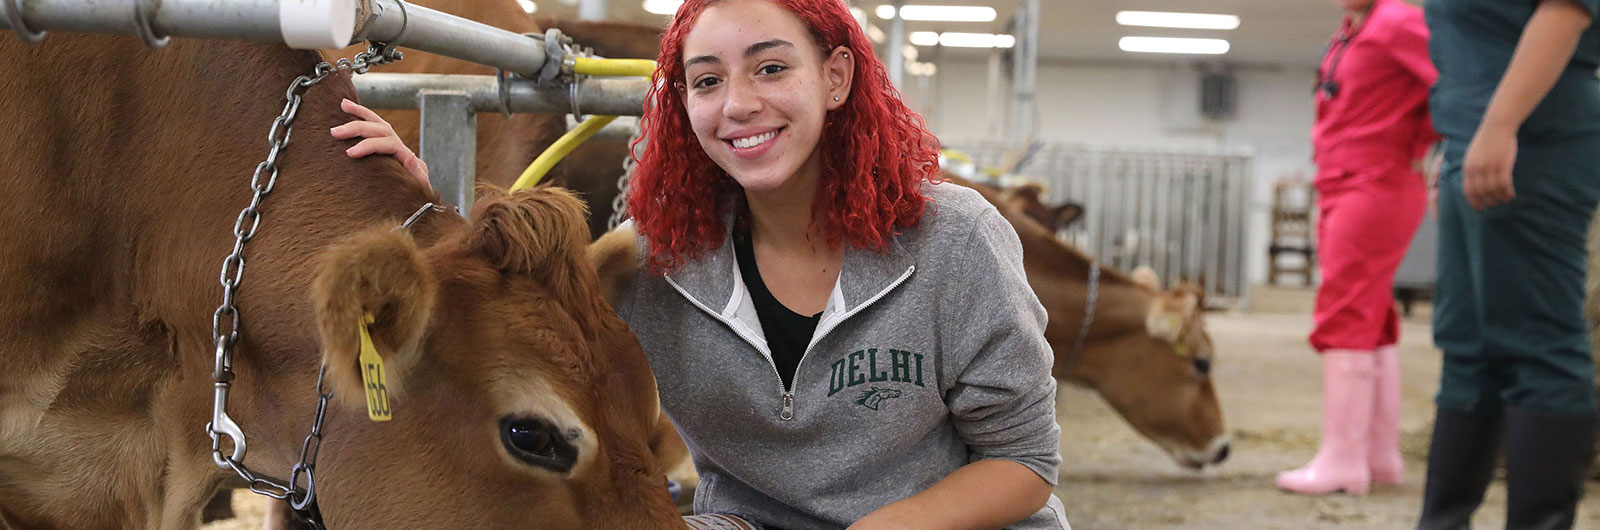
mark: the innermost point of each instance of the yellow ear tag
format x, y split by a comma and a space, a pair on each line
372, 375
1180, 346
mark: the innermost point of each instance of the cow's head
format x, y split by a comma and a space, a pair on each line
1026, 199
1162, 378
519, 399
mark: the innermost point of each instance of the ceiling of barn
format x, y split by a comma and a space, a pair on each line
1271, 32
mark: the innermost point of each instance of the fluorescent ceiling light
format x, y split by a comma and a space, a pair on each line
939, 13
528, 6
925, 38
1161, 19
962, 40
976, 40
876, 34
1173, 45
662, 7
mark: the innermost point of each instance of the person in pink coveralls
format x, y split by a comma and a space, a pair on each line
1371, 131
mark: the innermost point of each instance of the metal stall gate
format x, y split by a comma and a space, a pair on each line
1182, 212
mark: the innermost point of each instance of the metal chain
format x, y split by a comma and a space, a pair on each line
225, 320
1093, 299
619, 204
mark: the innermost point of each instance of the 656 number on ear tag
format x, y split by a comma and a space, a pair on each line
372, 376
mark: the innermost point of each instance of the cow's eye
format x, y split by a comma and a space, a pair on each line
1203, 365
538, 443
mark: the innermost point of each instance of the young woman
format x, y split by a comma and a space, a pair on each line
1372, 128
1519, 107
840, 341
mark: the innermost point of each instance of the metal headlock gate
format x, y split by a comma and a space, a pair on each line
544, 68
1182, 212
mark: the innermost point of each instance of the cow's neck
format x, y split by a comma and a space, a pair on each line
184, 229
1060, 275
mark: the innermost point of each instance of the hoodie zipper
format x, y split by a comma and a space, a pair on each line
786, 413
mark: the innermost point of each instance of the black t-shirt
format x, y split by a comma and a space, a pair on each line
788, 333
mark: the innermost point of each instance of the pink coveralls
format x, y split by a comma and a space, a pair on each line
1372, 125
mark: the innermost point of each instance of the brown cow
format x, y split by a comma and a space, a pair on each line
1147, 353
121, 195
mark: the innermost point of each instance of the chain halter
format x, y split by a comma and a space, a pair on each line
225, 321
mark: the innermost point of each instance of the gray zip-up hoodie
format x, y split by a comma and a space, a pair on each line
928, 357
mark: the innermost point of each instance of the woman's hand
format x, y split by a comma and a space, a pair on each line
1486, 171
380, 138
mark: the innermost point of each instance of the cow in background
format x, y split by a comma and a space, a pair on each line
1147, 352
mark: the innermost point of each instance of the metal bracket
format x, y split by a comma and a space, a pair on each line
554, 53
14, 18
572, 96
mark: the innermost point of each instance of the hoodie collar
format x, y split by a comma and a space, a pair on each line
713, 280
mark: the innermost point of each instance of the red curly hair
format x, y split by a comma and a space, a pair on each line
875, 152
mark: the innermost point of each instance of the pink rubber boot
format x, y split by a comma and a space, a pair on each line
1383, 442
1341, 461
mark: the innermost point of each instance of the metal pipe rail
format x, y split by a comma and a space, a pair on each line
603, 96
298, 23
1180, 211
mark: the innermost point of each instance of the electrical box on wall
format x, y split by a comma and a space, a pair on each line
1218, 91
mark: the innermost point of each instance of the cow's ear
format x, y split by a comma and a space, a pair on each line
1169, 313
378, 272
1147, 277
616, 257
1067, 214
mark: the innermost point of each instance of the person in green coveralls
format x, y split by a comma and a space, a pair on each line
1518, 104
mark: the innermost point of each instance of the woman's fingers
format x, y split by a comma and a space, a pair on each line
355, 109
365, 129
386, 145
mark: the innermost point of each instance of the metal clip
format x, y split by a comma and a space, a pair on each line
222, 424
14, 18
143, 10
417, 215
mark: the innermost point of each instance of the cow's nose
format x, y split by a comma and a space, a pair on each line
1222, 454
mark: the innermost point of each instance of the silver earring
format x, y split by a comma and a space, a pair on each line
836, 98
847, 55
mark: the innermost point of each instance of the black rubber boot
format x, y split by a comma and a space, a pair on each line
1461, 461
1546, 459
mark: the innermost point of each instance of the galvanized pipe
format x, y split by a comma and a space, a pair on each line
298, 23
449, 145
611, 97
256, 20
414, 26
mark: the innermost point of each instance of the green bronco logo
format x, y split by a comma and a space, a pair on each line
871, 398
861, 367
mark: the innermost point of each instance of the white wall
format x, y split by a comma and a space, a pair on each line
1146, 104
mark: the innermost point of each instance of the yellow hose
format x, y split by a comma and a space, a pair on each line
614, 67
559, 150
564, 145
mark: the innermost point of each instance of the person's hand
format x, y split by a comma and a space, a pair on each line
379, 138
1486, 171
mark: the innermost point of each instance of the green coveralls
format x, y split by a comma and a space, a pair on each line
1509, 304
